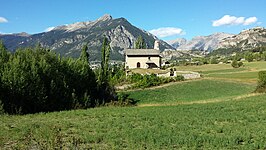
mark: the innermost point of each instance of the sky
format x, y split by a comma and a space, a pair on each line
167, 19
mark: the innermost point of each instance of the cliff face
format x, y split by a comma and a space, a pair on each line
246, 39
68, 40
207, 43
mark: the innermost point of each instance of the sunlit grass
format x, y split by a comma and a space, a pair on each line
231, 117
235, 124
192, 91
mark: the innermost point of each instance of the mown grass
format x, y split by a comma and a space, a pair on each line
259, 65
237, 124
247, 73
241, 76
192, 91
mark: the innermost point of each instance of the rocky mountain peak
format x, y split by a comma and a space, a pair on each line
177, 42
246, 39
81, 25
68, 40
105, 17
210, 42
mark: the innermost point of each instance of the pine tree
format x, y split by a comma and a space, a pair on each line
140, 43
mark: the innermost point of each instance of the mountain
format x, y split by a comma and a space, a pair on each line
68, 40
177, 42
208, 43
246, 39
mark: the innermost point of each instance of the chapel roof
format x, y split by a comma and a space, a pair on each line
142, 52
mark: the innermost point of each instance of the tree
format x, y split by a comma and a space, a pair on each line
140, 43
84, 56
213, 60
264, 56
249, 57
261, 82
105, 59
4, 54
45, 82
106, 91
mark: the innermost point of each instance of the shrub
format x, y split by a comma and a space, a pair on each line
179, 78
146, 81
236, 64
122, 100
262, 82
240, 64
213, 61
1, 108
249, 57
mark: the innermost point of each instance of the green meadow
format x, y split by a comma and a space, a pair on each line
219, 111
198, 90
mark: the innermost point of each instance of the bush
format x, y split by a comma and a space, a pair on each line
262, 82
1, 108
122, 100
240, 64
145, 81
236, 64
179, 78
213, 61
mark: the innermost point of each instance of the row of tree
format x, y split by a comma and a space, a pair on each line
37, 80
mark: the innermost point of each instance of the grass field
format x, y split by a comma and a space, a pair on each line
248, 73
235, 124
199, 90
216, 112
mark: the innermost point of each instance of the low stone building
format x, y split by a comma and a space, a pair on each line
143, 58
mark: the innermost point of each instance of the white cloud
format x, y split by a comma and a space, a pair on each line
3, 20
49, 29
250, 20
228, 20
166, 32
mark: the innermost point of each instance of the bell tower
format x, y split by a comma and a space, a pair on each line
156, 45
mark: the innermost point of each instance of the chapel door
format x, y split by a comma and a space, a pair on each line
138, 65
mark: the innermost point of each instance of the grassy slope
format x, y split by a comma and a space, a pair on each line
238, 124
229, 118
248, 73
192, 91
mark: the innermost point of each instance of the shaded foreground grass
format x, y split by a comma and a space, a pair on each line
192, 91
237, 124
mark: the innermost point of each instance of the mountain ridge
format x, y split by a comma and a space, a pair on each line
246, 39
207, 43
67, 40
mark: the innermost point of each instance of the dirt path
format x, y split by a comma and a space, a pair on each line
237, 98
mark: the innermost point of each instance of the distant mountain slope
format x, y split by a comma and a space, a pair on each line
177, 42
68, 40
208, 43
246, 39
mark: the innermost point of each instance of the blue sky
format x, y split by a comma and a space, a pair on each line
168, 19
